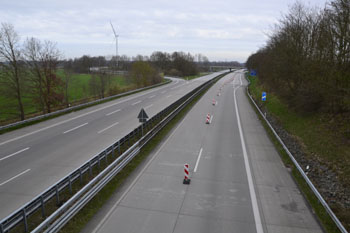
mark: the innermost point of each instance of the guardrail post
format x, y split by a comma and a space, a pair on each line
57, 196
113, 153
106, 157
90, 168
1, 228
81, 176
70, 184
99, 161
127, 139
119, 147
25, 220
42, 206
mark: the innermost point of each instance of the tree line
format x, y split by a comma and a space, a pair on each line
175, 64
306, 60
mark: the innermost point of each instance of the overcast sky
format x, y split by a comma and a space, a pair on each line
220, 29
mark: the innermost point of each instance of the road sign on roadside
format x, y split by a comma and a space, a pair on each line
263, 96
142, 116
253, 73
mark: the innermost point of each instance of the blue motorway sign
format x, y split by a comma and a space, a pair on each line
253, 73
263, 96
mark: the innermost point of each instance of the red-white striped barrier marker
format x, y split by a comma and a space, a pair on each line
207, 121
186, 170
214, 102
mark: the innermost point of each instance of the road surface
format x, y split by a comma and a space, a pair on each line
238, 182
35, 157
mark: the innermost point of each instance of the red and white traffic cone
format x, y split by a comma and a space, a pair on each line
214, 102
207, 121
186, 170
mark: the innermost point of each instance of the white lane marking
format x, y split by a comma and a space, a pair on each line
240, 78
151, 96
70, 130
101, 223
14, 177
136, 103
211, 118
162, 92
6, 157
118, 110
107, 127
148, 106
199, 157
256, 212
82, 115
168, 96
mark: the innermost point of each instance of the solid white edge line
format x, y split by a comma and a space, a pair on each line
199, 157
108, 127
211, 118
255, 206
70, 130
168, 96
14, 177
118, 110
8, 156
151, 97
101, 223
136, 103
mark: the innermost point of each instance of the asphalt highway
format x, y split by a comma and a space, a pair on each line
238, 181
37, 156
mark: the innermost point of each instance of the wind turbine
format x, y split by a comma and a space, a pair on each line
116, 43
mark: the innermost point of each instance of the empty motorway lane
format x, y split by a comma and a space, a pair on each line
35, 157
238, 181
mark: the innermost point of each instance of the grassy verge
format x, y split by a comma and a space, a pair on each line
80, 108
86, 214
195, 76
276, 107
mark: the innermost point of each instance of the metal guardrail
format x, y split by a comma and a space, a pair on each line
79, 106
134, 141
306, 178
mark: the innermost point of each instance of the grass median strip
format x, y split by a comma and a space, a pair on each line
85, 215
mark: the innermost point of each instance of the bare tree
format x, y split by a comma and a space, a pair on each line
10, 53
32, 53
49, 57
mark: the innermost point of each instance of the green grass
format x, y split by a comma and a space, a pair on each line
195, 76
86, 214
312, 133
78, 92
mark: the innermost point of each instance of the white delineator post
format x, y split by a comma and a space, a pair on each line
187, 180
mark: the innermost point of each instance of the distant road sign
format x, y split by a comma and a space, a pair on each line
253, 73
142, 116
263, 96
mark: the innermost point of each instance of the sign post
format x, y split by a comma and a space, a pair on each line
142, 118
